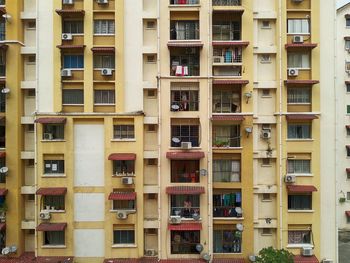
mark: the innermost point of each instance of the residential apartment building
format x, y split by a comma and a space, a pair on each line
179, 130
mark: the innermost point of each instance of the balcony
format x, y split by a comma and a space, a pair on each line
184, 2
227, 56
226, 136
186, 206
185, 64
184, 30
228, 31
226, 101
226, 171
227, 204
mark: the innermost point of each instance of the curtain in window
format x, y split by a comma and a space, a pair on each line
54, 238
299, 131
299, 166
298, 60
104, 97
299, 237
299, 95
298, 26
124, 236
180, 30
73, 61
73, 27
104, 27
299, 202
226, 171
73, 97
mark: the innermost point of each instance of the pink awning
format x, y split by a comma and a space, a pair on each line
301, 188
71, 47
51, 227
122, 196
301, 259
227, 118
301, 82
291, 117
70, 12
122, 156
52, 191
185, 44
301, 45
230, 82
51, 120
103, 49
3, 191
228, 260
230, 43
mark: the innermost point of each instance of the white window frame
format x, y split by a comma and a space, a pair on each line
303, 57
292, 23
100, 21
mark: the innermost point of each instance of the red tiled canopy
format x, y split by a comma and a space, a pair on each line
230, 43
54, 259
122, 196
301, 82
228, 118
185, 190
71, 47
185, 226
2, 154
301, 45
301, 259
70, 12
347, 170
181, 261
228, 260
122, 156
2, 10
301, 188
347, 213
51, 227
2, 226
3, 191
185, 44
230, 82
3, 47
51, 120
52, 191
291, 117
103, 49
185, 155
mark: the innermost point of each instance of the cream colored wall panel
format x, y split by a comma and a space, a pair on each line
262, 240
152, 208
29, 6
151, 241
29, 70
266, 174
150, 175
29, 211
267, 209
266, 5
151, 141
89, 243
89, 155
29, 141
266, 70
149, 34
29, 175
149, 8
29, 36
266, 35
266, 104
29, 242
150, 106
29, 105
89, 207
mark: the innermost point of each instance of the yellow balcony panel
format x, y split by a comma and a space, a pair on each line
71, 108
151, 223
77, 40
105, 40
104, 108
298, 5
104, 75
303, 74
225, 185
299, 107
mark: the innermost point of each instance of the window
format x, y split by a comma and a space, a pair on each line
185, 63
124, 132
53, 166
265, 24
347, 66
124, 167
348, 196
151, 24
53, 132
299, 237
347, 44
30, 197
31, 25
298, 60
73, 27
225, 101
226, 171
184, 30
347, 22
266, 232
300, 202
184, 242
151, 128
73, 61
73, 96
30, 163
299, 95
152, 161
124, 205
2, 101
31, 60
2, 30
266, 197
53, 202
348, 109
348, 151
104, 61
265, 58
104, 27
348, 175
151, 93
184, 100
298, 26
266, 161
53, 238
185, 171
29, 128
226, 136
299, 131
184, 205
184, 133
227, 241
151, 58
123, 236
347, 87
31, 93
226, 204
266, 93
104, 96
299, 166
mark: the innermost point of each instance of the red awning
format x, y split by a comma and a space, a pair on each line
301, 82
230, 43
70, 12
185, 226
303, 45
122, 156
228, 118
230, 82
180, 261
347, 126
347, 170
228, 260
3, 191
51, 120
301, 259
51, 227
2, 10
185, 155
52, 259
2, 226
185, 190
122, 196
347, 38
347, 213
71, 47
185, 44
103, 49
2, 154
301, 188
52, 191
292, 117
3, 47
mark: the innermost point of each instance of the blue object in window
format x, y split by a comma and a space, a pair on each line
73, 61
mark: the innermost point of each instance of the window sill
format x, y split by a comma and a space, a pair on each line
74, 69
74, 105
266, 97
179, 148
228, 218
300, 246
302, 175
266, 165
124, 246
123, 140
240, 253
104, 104
292, 34
266, 200
54, 246
123, 175
299, 140
53, 175
104, 35
99, 69
300, 211
54, 140
266, 235
300, 68
133, 211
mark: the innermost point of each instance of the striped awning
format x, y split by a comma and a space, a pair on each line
51, 120
301, 45
185, 190
230, 82
185, 226
227, 118
103, 49
52, 191
122, 196
230, 43
51, 227
122, 156
301, 259
3, 191
185, 155
301, 82
70, 12
301, 188
292, 117
185, 44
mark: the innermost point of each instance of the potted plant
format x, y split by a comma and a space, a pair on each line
342, 200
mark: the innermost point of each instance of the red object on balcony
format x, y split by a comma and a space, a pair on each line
185, 190
51, 227
227, 118
230, 43
3, 191
301, 188
185, 155
301, 259
230, 82
70, 12
122, 156
52, 191
2, 154
51, 120
291, 117
122, 196
103, 49
185, 226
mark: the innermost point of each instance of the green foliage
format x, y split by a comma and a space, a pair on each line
272, 255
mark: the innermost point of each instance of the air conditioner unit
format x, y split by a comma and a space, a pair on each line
266, 134
307, 251
175, 220
290, 178
106, 72
218, 59
292, 72
298, 39
48, 136
102, 1
127, 180
66, 73
45, 215
186, 145
66, 36
68, 2
122, 214
150, 252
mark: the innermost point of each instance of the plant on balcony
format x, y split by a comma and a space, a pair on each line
221, 143
342, 200
272, 255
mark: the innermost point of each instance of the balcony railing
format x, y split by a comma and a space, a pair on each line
223, 56
185, 211
184, 2
230, 32
184, 70
227, 2
226, 142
